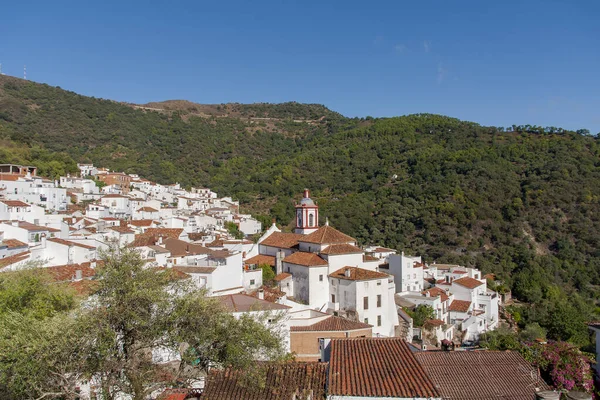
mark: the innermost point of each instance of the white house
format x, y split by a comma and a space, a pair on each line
368, 296
407, 272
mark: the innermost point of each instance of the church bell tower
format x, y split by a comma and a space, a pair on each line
307, 215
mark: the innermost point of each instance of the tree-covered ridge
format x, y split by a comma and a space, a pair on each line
522, 202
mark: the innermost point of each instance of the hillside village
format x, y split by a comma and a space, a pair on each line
334, 296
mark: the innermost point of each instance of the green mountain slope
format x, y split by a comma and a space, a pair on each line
524, 203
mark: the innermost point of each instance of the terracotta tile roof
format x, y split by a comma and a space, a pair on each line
216, 243
196, 235
70, 243
67, 273
436, 291
270, 294
109, 219
327, 235
358, 274
114, 196
330, 324
368, 258
85, 287
15, 258
376, 367
460, 306
305, 259
36, 228
10, 177
261, 260
121, 229
141, 222
282, 240
341, 249
15, 203
459, 271
147, 209
181, 248
467, 282
495, 374
245, 303
151, 236
282, 381
282, 276
434, 322
13, 243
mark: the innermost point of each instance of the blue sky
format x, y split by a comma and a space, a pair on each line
496, 63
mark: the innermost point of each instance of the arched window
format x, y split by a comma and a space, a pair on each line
311, 219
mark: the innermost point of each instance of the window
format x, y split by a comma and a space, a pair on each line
378, 300
333, 298
251, 282
379, 320
365, 303
378, 283
311, 220
333, 282
366, 320
288, 269
320, 278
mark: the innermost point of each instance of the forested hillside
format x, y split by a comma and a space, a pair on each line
522, 202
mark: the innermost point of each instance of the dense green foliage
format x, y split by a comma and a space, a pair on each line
47, 350
421, 314
522, 202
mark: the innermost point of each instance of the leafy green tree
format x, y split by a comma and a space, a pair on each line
267, 274
421, 314
111, 340
531, 332
500, 339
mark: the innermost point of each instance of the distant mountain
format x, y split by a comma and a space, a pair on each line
523, 203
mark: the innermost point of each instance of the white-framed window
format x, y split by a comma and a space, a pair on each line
320, 278
252, 281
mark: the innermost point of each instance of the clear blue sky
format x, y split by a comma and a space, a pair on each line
492, 62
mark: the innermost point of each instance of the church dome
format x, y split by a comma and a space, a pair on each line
306, 200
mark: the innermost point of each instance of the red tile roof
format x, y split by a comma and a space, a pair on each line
460, 306
70, 243
467, 282
13, 243
331, 324
147, 209
327, 235
141, 222
67, 273
282, 381
36, 228
261, 259
15, 203
436, 291
282, 240
434, 322
121, 229
245, 303
282, 276
15, 258
482, 375
358, 274
377, 367
114, 196
341, 249
305, 259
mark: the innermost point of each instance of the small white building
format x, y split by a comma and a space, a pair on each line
368, 296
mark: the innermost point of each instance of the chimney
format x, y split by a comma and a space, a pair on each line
78, 275
347, 272
278, 262
306, 193
43, 240
261, 294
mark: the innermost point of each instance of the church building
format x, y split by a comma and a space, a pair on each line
316, 257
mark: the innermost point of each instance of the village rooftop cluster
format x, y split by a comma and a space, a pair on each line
341, 306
